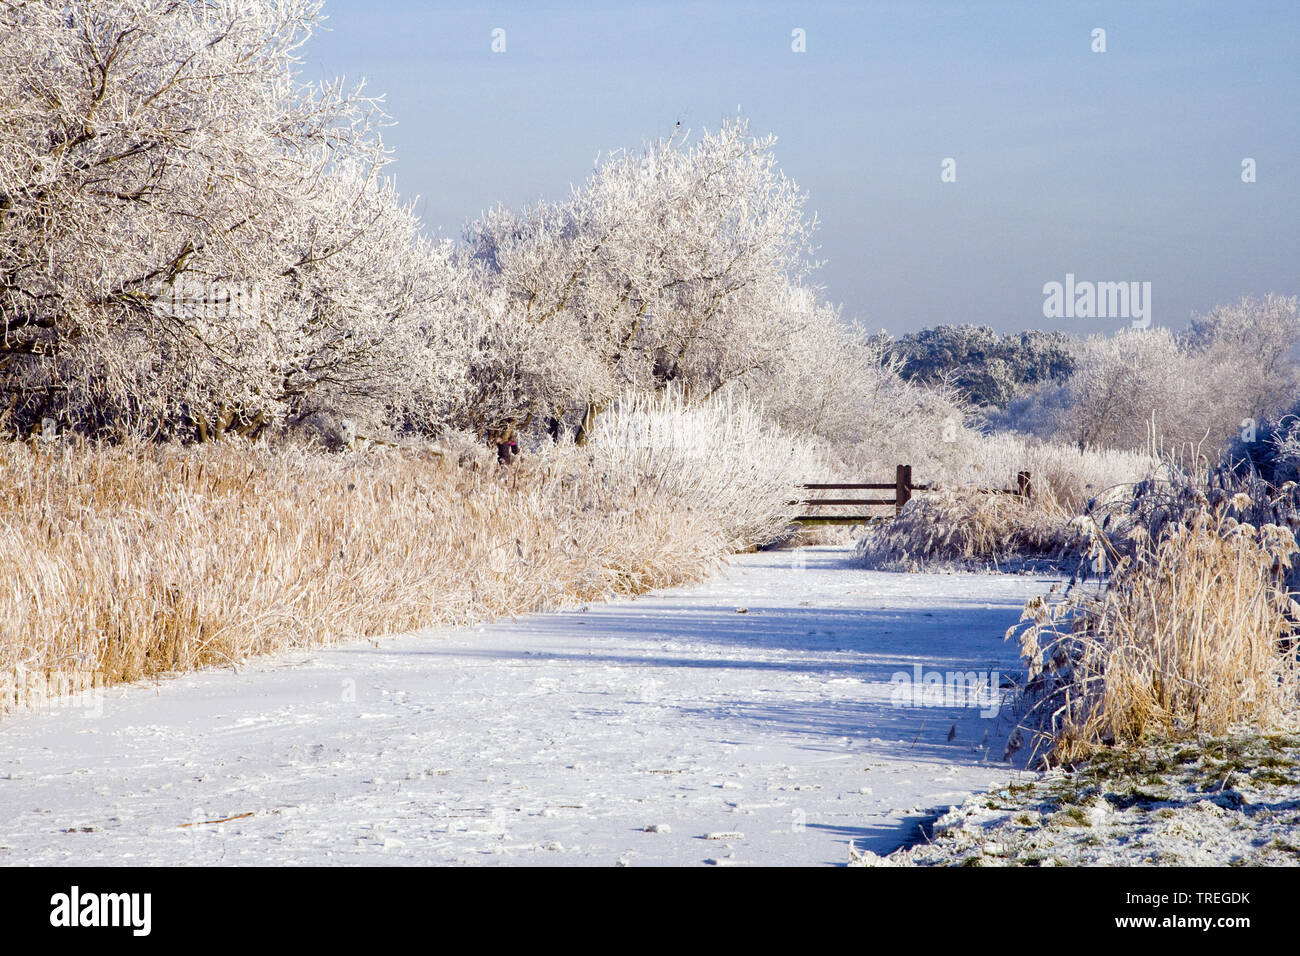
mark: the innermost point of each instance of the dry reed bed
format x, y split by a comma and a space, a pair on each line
1191, 635
1191, 632
719, 456
133, 562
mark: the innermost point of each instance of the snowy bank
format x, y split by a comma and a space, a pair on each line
1214, 802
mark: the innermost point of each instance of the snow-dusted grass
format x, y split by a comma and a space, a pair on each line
967, 528
959, 523
1073, 478
1065, 478
1232, 800
125, 562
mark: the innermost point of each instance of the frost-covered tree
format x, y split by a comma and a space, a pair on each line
710, 239
841, 384
189, 235
1234, 366
1246, 355
669, 266
1123, 385
989, 370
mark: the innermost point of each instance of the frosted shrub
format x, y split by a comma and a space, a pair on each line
959, 522
1272, 451
964, 528
1064, 477
836, 381
719, 457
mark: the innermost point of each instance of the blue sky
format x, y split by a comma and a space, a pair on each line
1115, 166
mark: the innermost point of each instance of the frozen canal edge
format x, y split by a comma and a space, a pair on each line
672, 729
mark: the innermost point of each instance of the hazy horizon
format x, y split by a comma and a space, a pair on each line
1122, 166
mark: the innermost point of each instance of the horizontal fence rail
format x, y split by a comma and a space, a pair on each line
902, 487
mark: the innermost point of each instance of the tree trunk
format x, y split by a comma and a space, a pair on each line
507, 452
588, 423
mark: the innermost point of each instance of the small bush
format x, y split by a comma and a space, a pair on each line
1191, 635
1274, 452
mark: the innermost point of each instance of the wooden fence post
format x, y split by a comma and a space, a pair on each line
902, 487
1022, 484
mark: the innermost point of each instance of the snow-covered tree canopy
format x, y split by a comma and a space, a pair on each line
989, 369
1231, 371
189, 236
675, 264
193, 241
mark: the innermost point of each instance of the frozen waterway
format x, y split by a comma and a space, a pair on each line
666, 730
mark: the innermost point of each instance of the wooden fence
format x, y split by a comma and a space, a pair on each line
902, 488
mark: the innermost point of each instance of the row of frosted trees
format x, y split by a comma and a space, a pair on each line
194, 243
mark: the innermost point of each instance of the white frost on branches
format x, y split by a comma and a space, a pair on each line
151, 145
673, 265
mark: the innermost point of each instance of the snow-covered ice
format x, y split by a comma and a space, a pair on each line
666, 730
